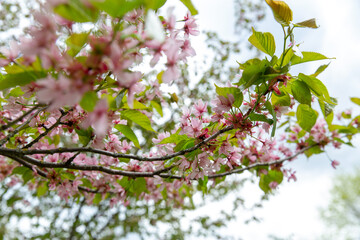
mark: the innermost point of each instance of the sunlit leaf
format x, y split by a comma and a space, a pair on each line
75, 43
281, 11
190, 6
306, 117
128, 133
311, 23
137, 117
77, 11
265, 42
301, 92
307, 57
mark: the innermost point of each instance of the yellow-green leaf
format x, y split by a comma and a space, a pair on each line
311, 23
265, 42
306, 117
128, 133
190, 6
137, 117
281, 11
307, 57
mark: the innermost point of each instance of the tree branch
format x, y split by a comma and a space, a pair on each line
47, 131
19, 128
4, 127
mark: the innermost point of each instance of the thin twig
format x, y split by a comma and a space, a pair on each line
4, 127
19, 128
47, 131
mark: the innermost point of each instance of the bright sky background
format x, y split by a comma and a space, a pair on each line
293, 212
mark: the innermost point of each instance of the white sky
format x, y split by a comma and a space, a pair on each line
293, 211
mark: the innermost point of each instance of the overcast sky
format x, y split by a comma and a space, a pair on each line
293, 211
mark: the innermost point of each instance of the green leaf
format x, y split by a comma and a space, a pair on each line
236, 92
97, 199
137, 117
76, 42
270, 108
265, 42
190, 6
19, 170
261, 118
320, 70
253, 72
308, 57
301, 92
89, 100
27, 175
287, 58
313, 150
310, 23
157, 107
155, 4
281, 100
85, 135
20, 79
117, 8
77, 11
327, 110
317, 87
68, 175
355, 100
271, 176
175, 138
281, 11
139, 186
42, 189
306, 117
128, 133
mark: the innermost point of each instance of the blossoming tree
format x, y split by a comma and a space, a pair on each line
83, 115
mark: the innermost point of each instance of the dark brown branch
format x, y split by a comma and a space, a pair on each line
117, 155
19, 128
262, 164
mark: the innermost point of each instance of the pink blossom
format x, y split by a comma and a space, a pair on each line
190, 26
335, 163
200, 108
273, 185
98, 118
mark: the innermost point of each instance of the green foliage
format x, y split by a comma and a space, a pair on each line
137, 117
271, 176
281, 11
235, 92
301, 92
76, 42
190, 6
89, 100
76, 10
265, 42
128, 133
306, 116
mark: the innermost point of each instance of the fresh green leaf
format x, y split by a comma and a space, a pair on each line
281, 100
76, 42
139, 186
317, 87
281, 11
311, 23
307, 57
42, 189
117, 8
128, 133
320, 70
261, 118
77, 11
265, 42
301, 92
68, 175
355, 100
89, 100
85, 135
235, 92
271, 176
157, 107
155, 4
306, 117
190, 6
20, 79
137, 117
97, 199
19, 170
